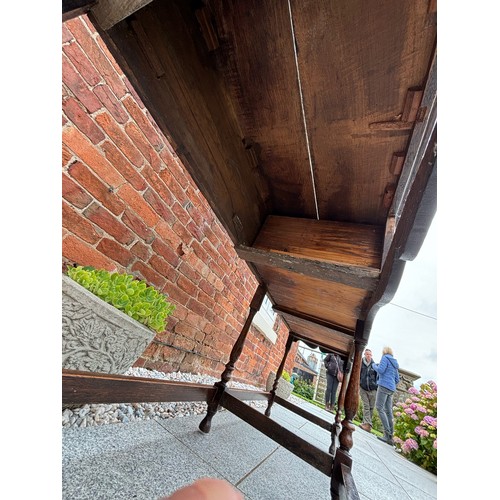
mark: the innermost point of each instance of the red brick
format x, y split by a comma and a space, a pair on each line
183, 233
81, 119
135, 201
98, 58
149, 275
158, 185
197, 307
137, 225
66, 35
138, 138
121, 141
97, 188
133, 93
173, 186
177, 295
87, 152
168, 234
158, 206
79, 88
190, 273
115, 251
206, 287
166, 252
141, 250
107, 221
83, 254
163, 267
188, 286
144, 123
176, 169
116, 158
77, 225
82, 64
108, 54
67, 156
111, 103
195, 230
74, 194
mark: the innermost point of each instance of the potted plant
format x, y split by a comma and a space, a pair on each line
285, 387
108, 319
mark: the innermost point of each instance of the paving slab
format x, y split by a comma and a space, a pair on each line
148, 459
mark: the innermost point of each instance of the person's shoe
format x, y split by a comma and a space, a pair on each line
327, 407
386, 440
366, 427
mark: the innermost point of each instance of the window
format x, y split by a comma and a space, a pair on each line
264, 320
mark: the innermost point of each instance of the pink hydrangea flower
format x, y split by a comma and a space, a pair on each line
430, 421
408, 445
421, 431
409, 411
413, 390
435, 444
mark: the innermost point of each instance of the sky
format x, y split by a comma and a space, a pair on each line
408, 323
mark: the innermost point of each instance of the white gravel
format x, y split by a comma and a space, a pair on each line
102, 414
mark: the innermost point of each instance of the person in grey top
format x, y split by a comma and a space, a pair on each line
367, 389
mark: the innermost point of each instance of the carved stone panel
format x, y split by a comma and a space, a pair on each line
96, 336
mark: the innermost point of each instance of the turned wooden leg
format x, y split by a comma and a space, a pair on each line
342, 455
336, 428
288, 345
213, 405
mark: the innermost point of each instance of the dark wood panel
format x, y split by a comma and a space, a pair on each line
298, 446
258, 45
356, 68
162, 51
86, 387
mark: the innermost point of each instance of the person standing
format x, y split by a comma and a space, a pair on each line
367, 389
334, 374
388, 378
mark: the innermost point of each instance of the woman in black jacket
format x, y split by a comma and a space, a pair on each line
334, 370
367, 389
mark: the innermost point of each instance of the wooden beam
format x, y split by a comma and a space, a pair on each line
85, 388
75, 8
246, 395
355, 276
314, 456
304, 413
345, 332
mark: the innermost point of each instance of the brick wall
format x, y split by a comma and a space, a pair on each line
130, 205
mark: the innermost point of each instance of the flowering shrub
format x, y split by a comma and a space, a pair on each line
415, 427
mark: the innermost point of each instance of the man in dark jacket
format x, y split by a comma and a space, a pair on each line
367, 389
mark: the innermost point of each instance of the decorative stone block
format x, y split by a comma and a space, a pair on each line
284, 388
96, 336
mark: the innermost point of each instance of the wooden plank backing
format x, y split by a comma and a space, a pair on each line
351, 245
333, 302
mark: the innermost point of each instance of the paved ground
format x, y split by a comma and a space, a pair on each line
145, 460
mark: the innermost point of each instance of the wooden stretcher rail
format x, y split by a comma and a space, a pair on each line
347, 489
319, 459
86, 387
304, 413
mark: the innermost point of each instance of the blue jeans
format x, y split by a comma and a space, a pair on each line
383, 403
